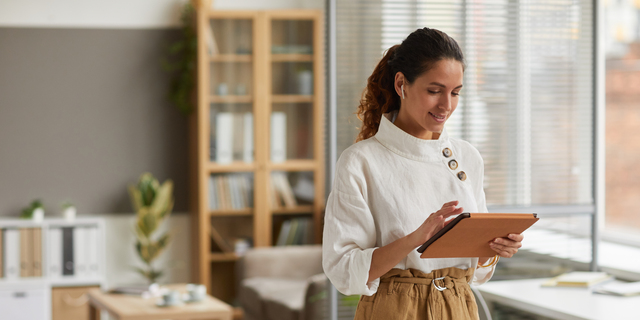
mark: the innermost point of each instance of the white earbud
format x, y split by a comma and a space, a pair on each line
402, 89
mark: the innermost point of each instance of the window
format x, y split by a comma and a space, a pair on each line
527, 104
622, 85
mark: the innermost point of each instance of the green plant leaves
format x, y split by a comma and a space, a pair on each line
153, 203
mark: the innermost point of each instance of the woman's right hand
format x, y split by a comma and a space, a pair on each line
434, 223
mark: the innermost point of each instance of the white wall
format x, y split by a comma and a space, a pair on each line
125, 14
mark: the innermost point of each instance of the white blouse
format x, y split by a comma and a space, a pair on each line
385, 187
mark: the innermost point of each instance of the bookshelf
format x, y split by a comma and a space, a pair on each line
47, 266
256, 138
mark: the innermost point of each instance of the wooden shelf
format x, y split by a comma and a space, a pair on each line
236, 166
291, 98
231, 99
223, 257
292, 57
294, 210
232, 212
294, 165
232, 58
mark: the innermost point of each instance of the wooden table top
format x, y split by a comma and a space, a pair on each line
130, 307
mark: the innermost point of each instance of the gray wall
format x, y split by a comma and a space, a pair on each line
82, 114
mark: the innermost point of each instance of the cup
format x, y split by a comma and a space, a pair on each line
172, 297
196, 292
222, 89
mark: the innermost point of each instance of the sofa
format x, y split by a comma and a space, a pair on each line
282, 283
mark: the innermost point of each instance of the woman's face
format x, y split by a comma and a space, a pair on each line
430, 100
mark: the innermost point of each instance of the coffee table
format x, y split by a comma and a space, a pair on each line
129, 307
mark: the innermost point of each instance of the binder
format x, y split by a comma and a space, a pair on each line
12, 253
247, 154
278, 137
55, 252
26, 252
469, 234
68, 267
93, 265
37, 252
224, 137
79, 252
1, 253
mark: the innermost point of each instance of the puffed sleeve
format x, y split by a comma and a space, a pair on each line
349, 236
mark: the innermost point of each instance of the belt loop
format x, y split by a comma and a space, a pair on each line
390, 290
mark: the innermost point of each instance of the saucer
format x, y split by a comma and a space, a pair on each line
187, 299
162, 304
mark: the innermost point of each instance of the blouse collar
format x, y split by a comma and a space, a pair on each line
408, 146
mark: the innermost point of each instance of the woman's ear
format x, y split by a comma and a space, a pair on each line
398, 84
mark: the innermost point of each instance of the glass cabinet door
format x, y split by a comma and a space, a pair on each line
230, 45
292, 89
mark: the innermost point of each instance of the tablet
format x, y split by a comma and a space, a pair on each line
469, 234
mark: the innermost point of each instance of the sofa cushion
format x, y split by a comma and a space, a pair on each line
255, 292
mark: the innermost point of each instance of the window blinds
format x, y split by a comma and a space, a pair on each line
527, 102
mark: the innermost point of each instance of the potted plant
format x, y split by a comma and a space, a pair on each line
68, 210
34, 211
153, 203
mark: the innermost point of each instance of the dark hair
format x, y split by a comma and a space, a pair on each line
416, 55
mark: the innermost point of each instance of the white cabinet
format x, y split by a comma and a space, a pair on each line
25, 301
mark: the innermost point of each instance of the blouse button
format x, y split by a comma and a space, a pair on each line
453, 164
462, 176
447, 152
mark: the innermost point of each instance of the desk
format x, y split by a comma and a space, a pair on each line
128, 307
558, 302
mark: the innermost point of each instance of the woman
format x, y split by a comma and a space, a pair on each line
399, 185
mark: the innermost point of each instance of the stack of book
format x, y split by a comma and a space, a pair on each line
230, 191
296, 231
578, 279
281, 191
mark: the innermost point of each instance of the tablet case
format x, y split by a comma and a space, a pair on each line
469, 234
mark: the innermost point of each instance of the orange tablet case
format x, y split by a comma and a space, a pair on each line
469, 234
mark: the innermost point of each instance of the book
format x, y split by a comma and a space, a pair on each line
284, 233
55, 252
224, 137
278, 137
583, 279
12, 253
247, 145
26, 252
219, 241
622, 289
212, 45
291, 237
68, 267
213, 202
238, 136
469, 234
283, 188
37, 252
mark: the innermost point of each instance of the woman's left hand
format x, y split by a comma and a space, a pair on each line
507, 247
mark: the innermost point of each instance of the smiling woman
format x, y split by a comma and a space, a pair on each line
398, 185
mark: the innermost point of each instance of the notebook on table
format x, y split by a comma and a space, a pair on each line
469, 234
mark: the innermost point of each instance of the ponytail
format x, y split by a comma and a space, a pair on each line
379, 97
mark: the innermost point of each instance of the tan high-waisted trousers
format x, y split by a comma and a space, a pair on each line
412, 294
